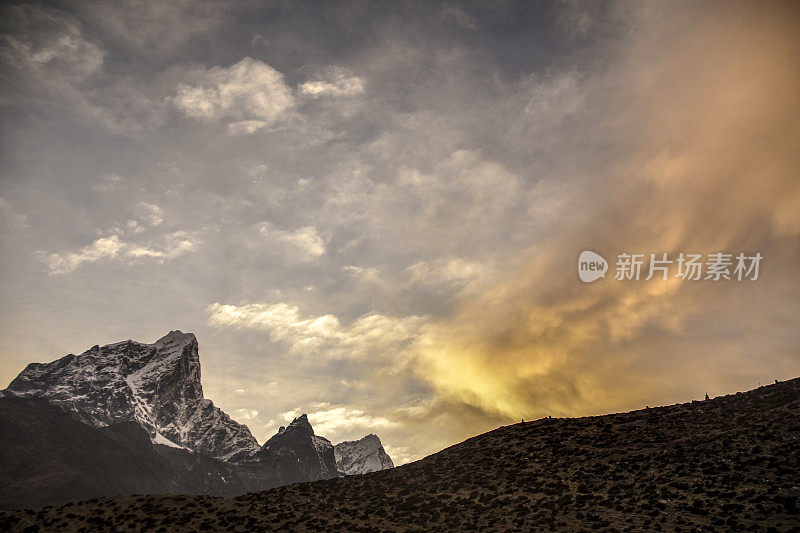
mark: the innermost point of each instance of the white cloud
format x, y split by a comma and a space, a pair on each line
152, 213
445, 272
134, 227
173, 245
371, 336
250, 93
400, 454
369, 274
245, 127
303, 243
338, 84
168, 247
104, 247
246, 414
331, 421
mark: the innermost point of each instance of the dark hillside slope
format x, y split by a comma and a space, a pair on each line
727, 463
48, 456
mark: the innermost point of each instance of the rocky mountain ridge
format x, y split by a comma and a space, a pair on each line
157, 387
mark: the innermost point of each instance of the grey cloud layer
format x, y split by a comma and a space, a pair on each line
373, 216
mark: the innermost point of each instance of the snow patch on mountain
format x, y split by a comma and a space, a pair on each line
161, 439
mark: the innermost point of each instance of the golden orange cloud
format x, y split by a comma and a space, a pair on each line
703, 114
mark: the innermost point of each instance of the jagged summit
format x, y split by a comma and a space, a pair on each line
157, 385
362, 456
298, 454
175, 338
301, 423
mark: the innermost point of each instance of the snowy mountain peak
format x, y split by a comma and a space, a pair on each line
157, 385
361, 456
176, 338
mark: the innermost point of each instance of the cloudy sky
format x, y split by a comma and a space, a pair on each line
372, 212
